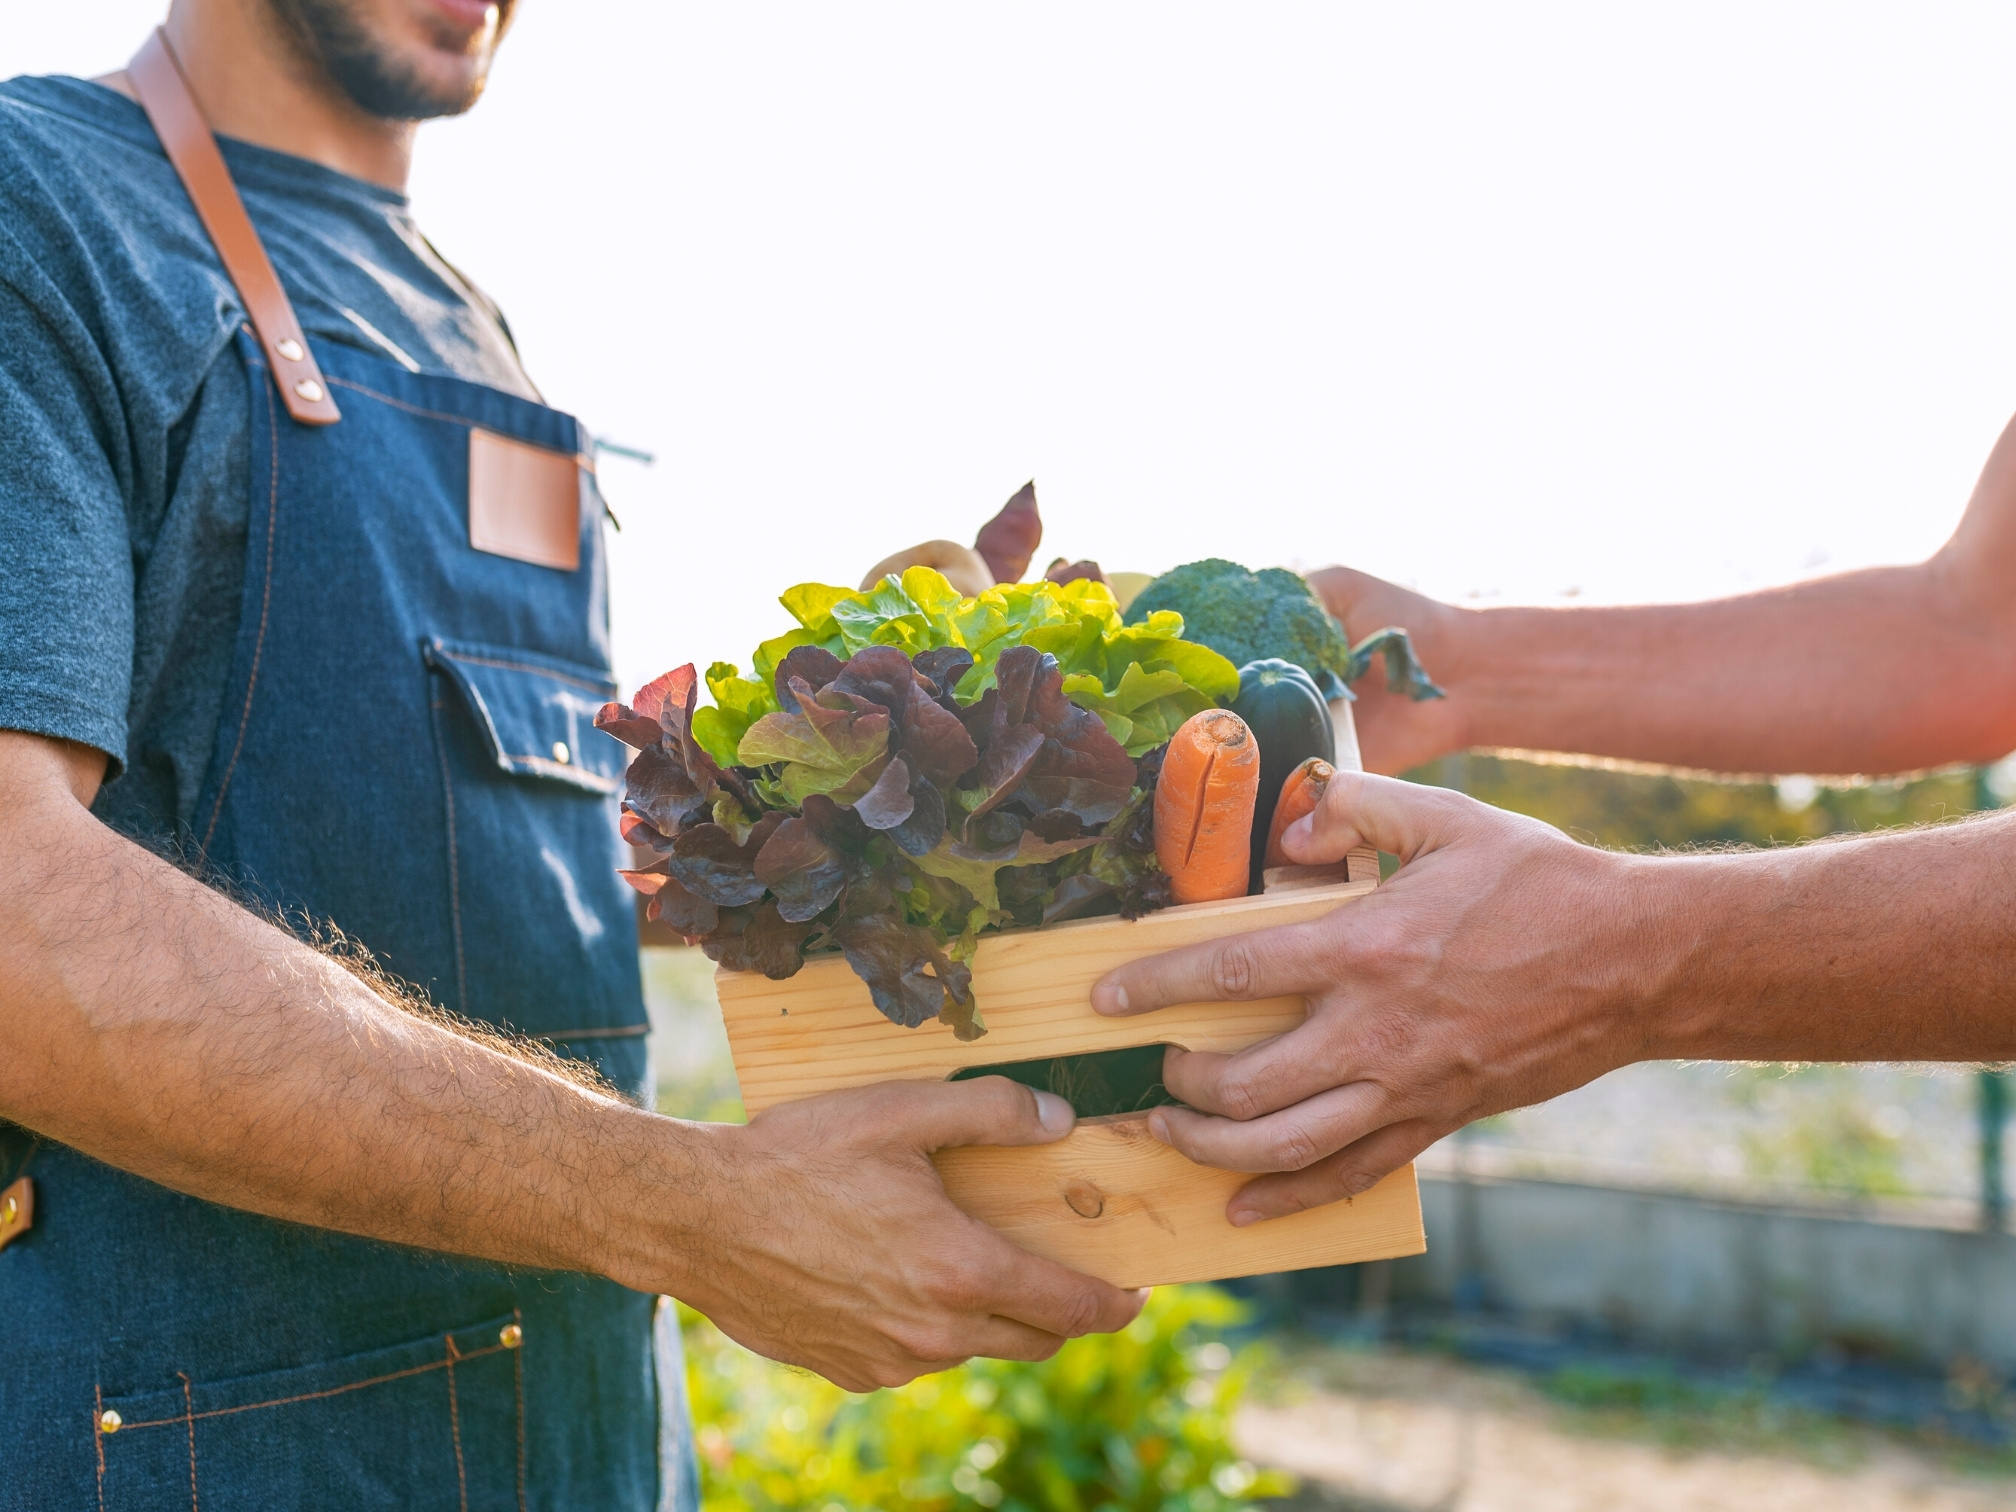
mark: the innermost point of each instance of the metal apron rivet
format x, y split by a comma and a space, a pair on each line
561, 753
310, 390
511, 1336
109, 1421
291, 349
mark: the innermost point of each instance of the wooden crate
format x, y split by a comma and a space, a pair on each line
1109, 1199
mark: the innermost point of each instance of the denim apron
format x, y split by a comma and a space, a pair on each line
407, 753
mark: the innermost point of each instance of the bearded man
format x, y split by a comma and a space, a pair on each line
301, 585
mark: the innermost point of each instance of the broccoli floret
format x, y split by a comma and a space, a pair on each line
1250, 616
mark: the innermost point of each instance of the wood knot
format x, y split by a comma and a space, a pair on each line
1084, 1199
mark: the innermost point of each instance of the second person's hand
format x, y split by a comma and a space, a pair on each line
1396, 732
1498, 967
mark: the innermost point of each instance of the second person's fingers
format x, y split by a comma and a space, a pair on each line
1276, 1073
1290, 1140
1276, 962
1354, 1169
1401, 818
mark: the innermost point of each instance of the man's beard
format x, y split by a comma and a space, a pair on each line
377, 80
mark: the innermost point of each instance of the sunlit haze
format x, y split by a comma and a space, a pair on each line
1499, 301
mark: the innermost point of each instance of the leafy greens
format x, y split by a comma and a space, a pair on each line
905, 769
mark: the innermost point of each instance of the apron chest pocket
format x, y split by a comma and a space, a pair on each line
434, 1423
545, 930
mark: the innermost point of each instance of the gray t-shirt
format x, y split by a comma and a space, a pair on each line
125, 417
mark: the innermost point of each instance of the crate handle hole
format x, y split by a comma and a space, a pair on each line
1097, 1086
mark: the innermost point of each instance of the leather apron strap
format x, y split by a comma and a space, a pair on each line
178, 120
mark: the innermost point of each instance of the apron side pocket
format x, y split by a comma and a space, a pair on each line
435, 1422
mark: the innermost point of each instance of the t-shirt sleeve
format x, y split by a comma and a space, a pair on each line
66, 561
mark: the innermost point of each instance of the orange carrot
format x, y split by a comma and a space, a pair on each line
1204, 807
1300, 794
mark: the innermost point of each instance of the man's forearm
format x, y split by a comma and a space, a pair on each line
1888, 670
1880, 671
1888, 947
151, 1023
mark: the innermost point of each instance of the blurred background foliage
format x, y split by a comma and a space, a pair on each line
1624, 806
1137, 1422
1833, 1137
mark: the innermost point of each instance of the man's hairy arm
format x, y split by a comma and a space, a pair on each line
1886, 670
156, 1025
150, 1022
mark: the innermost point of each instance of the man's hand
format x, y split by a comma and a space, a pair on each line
1492, 971
1504, 964
827, 1239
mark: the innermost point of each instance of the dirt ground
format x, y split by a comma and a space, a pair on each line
1389, 1432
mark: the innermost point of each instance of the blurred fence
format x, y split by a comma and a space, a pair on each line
1901, 1280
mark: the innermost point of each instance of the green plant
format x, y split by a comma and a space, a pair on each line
1642, 808
1827, 1139
1252, 616
1658, 1389
908, 768
1137, 1421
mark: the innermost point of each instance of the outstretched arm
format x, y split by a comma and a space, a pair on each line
153, 1024
1504, 964
1887, 670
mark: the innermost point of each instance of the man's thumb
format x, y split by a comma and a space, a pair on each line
1358, 809
991, 1110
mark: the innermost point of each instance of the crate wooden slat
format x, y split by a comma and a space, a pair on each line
1115, 1202
820, 1032
1109, 1199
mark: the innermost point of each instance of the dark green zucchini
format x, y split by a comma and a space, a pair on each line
1287, 714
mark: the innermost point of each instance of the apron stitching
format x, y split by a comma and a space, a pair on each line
604, 688
518, 1382
454, 864
265, 608
411, 409
98, 1438
455, 1425
427, 414
189, 1417
308, 1396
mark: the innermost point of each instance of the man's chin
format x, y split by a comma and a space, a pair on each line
440, 71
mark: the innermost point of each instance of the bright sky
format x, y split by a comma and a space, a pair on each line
1513, 301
